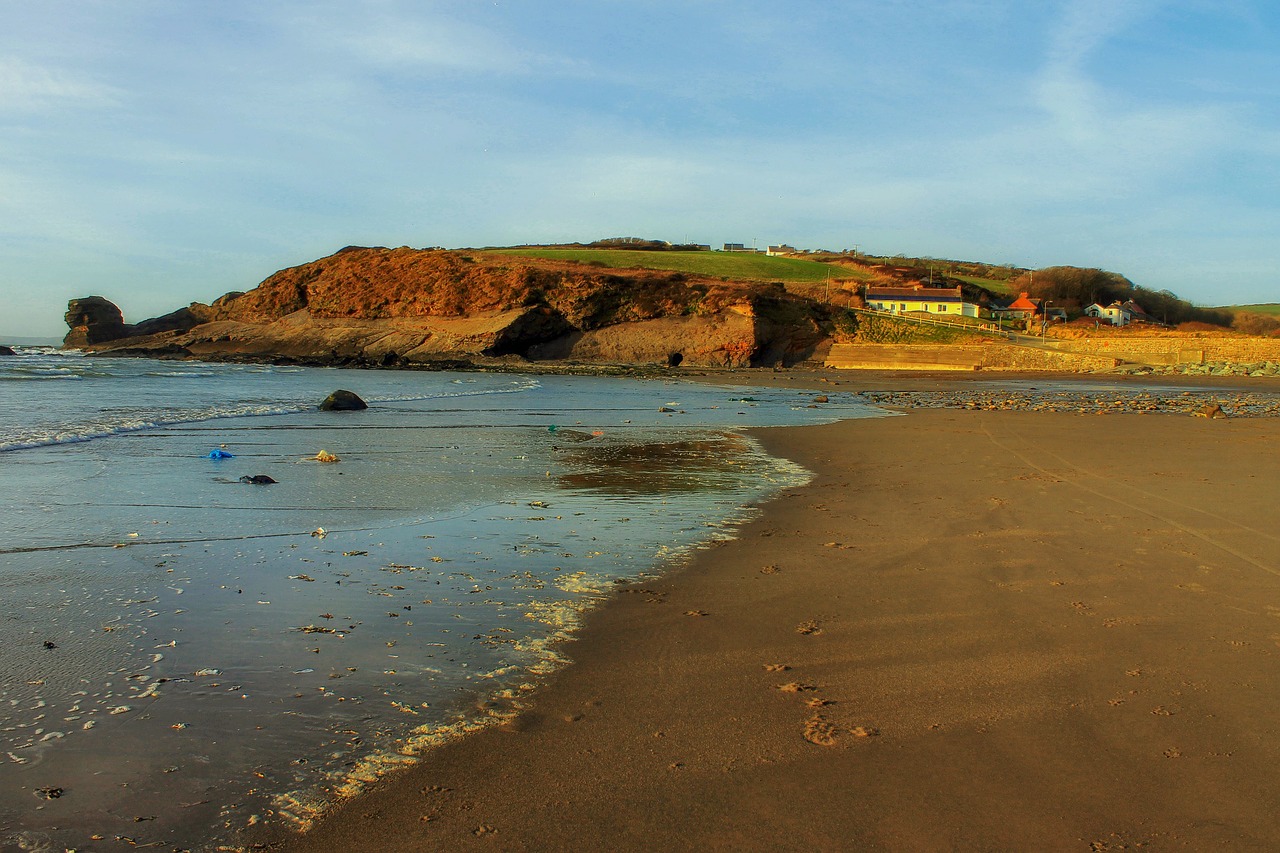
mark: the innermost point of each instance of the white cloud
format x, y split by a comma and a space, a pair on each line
423, 41
26, 86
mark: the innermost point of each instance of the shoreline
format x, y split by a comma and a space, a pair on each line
990, 636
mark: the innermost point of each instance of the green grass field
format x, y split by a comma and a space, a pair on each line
1272, 308
991, 284
731, 265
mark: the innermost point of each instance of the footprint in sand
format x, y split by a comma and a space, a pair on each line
818, 730
821, 731
796, 687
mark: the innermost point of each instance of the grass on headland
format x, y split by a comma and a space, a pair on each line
738, 266
993, 285
1272, 308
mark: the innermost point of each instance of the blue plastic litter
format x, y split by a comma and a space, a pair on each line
219, 453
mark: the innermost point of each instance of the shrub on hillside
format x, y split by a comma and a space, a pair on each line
1256, 324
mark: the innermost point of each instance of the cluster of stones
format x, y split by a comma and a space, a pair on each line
1249, 405
1212, 368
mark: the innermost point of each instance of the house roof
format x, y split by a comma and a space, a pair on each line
925, 294
1023, 303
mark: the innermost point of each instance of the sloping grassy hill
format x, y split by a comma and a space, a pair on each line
1000, 288
737, 266
1272, 308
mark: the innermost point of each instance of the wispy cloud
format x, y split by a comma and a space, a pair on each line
27, 86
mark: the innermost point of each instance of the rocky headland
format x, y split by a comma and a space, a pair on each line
436, 308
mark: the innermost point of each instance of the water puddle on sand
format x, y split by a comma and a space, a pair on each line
222, 668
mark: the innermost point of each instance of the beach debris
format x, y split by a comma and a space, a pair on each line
484, 829
49, 793
776, 667
809, 627
821, 398
326, 456
355, 553
769, 570
200, 673
319, 533
257, 479
50, 644
306, 578
343, 401
119, 709
319, 629
695, 613
1209, 410
864, 731
219, 453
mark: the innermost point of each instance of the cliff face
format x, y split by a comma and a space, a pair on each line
406, 306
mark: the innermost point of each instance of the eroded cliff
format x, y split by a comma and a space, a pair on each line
407, 306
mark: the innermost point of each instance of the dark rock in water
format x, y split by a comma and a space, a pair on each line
343, 401
182, 320
257, 480
93, 320
6, 350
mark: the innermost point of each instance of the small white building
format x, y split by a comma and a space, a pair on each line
1115, 313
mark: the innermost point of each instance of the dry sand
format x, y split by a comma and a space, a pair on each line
971, 631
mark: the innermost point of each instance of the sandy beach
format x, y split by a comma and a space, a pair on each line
971, 631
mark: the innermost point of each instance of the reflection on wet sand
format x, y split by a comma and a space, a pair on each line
650, 468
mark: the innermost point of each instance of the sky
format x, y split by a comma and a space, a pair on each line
159, 153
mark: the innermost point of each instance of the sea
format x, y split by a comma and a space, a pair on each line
187, 655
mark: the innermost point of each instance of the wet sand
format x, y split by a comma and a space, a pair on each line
972, 630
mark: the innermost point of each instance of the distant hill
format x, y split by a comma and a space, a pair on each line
18, 341
1261, 308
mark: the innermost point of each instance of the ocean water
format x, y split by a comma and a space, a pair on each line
186, 655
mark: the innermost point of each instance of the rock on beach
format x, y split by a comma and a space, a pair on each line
343, 401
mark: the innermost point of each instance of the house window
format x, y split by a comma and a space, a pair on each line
903, 306
942, 308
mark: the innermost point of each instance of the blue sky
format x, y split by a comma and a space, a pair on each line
159, 152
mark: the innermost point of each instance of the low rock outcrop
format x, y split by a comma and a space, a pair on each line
4, 350
405, 307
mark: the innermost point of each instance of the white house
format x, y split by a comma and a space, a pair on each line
1115, 313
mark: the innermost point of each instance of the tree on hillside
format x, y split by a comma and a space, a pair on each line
1075, 287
